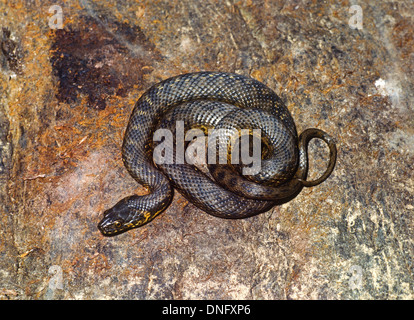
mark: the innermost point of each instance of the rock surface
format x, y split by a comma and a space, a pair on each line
66, 97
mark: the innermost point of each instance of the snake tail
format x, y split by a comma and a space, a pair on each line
304, 139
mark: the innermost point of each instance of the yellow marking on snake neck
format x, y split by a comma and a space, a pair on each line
148, 99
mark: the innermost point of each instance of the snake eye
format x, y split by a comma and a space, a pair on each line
118, 223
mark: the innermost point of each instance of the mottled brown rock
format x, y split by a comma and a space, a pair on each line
66, 98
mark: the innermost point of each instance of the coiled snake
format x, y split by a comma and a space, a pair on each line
208, 100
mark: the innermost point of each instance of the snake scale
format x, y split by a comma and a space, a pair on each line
208, 100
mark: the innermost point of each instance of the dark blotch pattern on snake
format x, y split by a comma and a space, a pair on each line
213, 100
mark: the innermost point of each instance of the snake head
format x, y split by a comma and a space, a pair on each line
123, 217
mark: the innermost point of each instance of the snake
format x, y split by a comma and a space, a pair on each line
213, 100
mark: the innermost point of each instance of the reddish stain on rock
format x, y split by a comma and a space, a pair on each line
100, 59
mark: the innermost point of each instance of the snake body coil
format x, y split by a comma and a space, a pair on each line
209, 100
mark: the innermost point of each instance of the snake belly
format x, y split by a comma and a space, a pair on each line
204, 98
